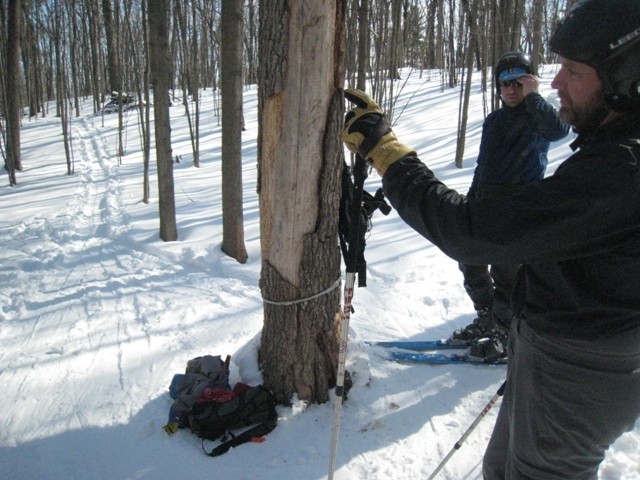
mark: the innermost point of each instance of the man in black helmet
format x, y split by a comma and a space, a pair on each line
513, 152
573, 380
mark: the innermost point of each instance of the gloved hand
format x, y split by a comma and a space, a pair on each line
368, 133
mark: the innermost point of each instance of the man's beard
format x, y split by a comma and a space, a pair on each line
587, 118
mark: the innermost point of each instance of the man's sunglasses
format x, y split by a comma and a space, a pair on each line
509, 83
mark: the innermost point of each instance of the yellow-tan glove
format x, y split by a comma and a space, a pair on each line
368, 133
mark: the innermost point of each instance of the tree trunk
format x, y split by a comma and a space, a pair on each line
94, 33
466, 89
536, 34
231, 90
300, 154
395, 47
13, 82
363, 44
113, 48
62, 81
159, 52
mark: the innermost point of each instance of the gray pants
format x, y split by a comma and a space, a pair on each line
565, 402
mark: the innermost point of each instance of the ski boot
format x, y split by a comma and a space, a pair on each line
483, 326
490, 349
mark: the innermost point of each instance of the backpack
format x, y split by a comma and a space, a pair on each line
211, 419
206, 372
204, 403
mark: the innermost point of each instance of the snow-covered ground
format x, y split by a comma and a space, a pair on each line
97, 314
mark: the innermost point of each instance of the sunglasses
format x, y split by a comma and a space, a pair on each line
509, 83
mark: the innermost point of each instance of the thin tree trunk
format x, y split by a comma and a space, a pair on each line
62, 80
231, 73
536, 38
94, 13
145, 110
113, 48
13, 82
363, 44
466, 90
159, 52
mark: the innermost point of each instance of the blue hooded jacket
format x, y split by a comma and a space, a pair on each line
514, 146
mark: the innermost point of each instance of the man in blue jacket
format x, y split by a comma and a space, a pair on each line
513, 152
573, 378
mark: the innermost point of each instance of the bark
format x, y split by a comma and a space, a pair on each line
13, 83
159, 52
113, 48
231, 74
363, 44
301, 112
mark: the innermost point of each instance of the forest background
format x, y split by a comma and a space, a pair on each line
131, 55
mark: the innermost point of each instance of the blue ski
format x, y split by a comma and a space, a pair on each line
420, 345
439, 358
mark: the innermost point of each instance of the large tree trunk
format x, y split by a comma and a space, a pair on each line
159, 52
300, 156
231, 84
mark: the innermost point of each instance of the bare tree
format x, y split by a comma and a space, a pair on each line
299, 159
62, 82
113, 44
537, 11
93, 15
231, 84
395, 45
466, 88
159, 52
251, 40
12, 86
189, 76
363, 44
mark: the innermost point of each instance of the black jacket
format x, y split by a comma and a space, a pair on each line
577, 232
514, 144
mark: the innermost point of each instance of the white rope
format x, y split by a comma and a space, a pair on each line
295, 302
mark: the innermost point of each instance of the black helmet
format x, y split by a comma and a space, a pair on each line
605, 34
511, 60
510, 66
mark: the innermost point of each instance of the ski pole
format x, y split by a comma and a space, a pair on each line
354, 263
459, 443
346, 313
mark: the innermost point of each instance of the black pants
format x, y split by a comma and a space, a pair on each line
489, 287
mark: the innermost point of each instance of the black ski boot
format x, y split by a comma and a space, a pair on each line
483, 326
489, 350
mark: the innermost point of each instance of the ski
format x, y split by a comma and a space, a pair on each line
421, 345
439, 358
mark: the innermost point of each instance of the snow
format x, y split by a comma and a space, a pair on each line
97, 314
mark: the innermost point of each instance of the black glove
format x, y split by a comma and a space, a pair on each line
368, 133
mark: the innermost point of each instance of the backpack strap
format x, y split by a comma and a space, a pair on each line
246, 436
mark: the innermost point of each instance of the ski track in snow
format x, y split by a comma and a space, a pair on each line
128, 327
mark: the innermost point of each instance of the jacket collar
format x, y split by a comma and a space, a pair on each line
623, 127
